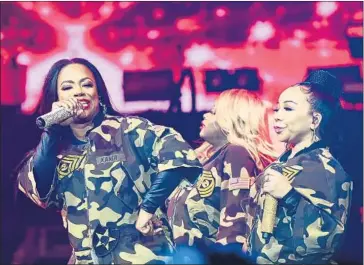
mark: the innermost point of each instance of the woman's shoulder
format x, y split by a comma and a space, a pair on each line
127, 123
235, 150
322, 160
329, 162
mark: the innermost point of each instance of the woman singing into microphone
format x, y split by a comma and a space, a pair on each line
108, 174
313, 191
211, 213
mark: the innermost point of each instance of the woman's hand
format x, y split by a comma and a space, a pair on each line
145, 225
276, 184
70, 104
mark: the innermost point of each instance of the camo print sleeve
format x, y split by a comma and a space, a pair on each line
27, 184
164, 146
238, 169
323, 210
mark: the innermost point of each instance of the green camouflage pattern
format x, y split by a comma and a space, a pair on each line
313, 231
99, 187
213, 210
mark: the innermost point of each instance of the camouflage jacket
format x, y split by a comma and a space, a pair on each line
101, 184
313, 229
213, 210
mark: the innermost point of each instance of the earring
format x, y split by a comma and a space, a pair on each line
103, 107
314, 136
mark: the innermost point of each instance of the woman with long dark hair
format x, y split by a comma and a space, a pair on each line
108, 174
312, 189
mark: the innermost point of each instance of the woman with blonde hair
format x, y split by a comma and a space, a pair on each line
236, 148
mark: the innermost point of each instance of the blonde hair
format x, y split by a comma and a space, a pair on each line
243, 117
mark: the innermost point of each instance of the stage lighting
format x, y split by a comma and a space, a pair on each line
261, 31
218, 80
153, 34
354, 35
148, 85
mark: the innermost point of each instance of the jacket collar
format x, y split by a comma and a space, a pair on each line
316, 145
96, 123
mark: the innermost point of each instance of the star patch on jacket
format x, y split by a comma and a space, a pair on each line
105, 240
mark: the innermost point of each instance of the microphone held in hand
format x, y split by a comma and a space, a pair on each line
54, 117
269, 216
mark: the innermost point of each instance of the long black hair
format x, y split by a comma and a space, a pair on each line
50, 85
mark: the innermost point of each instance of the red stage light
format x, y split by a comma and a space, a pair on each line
221, 12
158, 13
45, 10
111, 35
27, 5
127, 58
295, 42
23, 58
106, 10
326, 9
4, 55
281, 10
316, 24
358, 106
358, 15
198, 55
153, 34
300, 34
125, 4
187, 24
261, 31
325, 52
267, 77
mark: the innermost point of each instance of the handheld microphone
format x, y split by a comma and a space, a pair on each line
269, 216
54, 117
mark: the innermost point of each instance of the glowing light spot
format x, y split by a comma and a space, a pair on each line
326, 9
27, 5
300, 34
267, 77
223, 64
153, 34
198, 55
127, 58
221, 12
45, 10
106, 10
325, 52
358, 15
187, 24
158, 13
261, 31
295, 42
23, 58
316, 24
125, 4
